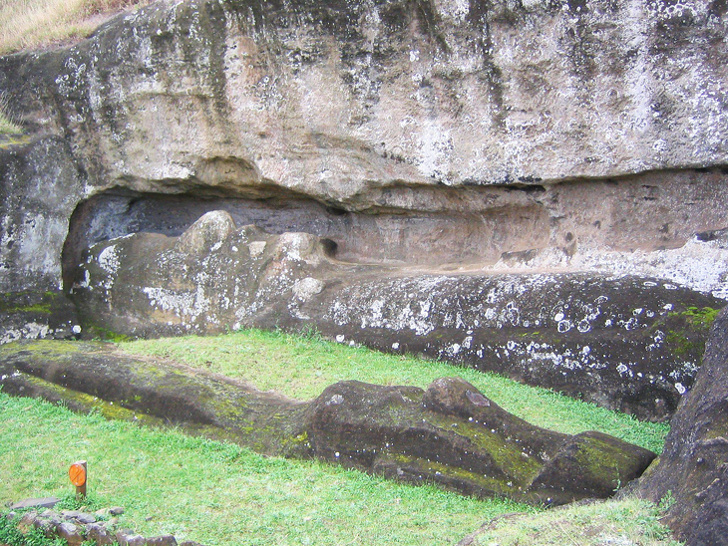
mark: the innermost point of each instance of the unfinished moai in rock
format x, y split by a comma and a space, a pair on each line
433, 142
449, 434
628, 343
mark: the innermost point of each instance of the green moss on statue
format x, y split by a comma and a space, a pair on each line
690, 339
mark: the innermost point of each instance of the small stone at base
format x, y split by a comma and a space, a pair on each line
44, 502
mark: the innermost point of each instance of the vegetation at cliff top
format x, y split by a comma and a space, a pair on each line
33, 24
222, 494
302, 367
7, 124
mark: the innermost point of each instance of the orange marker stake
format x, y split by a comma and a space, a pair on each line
77, 474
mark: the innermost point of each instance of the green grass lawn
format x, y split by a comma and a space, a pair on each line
223, 494
301, 367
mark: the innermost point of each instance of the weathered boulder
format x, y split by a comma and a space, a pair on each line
450, 434
693, 468
40, 186
453, 435
627, 343
95, 375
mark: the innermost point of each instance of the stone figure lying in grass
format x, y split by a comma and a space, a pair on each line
449, 434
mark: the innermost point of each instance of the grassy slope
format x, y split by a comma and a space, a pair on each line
32, 24
302, 367
628, 522
221, 494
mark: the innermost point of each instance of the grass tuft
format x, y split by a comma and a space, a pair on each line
8, 124
629, 521
32, 24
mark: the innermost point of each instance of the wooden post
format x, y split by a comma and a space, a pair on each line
78, 475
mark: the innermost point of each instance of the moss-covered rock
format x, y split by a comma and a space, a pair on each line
692, 471
449, 434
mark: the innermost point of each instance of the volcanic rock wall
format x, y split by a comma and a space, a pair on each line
440, 135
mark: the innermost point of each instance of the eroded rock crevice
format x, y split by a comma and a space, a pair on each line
571, 226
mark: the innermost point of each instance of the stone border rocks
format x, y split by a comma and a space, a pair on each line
79, 526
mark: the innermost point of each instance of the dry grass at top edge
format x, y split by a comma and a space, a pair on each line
42, 24
7, 127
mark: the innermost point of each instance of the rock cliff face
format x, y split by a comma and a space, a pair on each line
441, 135
334, 99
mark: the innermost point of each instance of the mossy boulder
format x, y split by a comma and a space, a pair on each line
692, 475
449, 434
453, 435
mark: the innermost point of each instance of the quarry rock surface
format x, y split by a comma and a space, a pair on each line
489, 134
335, 99
565, 149
450, 434
692, 469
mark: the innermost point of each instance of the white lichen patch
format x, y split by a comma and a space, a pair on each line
305, 289
30, 330
256, 248
296, 247
108, 259
697, 265
183, 304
